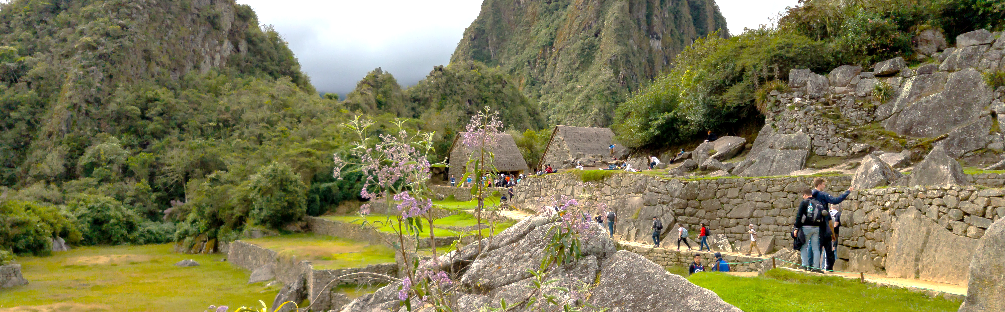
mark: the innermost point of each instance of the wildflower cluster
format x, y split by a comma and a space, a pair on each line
428, 286
411, 207
483, 131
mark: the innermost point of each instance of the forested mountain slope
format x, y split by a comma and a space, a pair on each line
580, 59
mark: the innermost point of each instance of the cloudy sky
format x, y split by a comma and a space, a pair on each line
339, 41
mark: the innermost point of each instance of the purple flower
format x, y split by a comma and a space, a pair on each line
412, 207
484, 131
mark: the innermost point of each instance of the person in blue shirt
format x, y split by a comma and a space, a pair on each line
453, 181
826, 236
612, 151
720, 264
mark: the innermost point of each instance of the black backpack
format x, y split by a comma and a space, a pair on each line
610, 216
815, 212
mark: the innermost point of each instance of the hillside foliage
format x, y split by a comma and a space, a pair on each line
713, 83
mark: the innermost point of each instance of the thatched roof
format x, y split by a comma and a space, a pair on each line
507, 156
578, 142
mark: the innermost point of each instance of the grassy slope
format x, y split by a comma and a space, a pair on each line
132, 278
326, 252
788, 291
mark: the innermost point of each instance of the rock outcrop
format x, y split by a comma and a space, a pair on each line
264, 273
920, 248
938, 169
10, 276
987, 272
964, 91
684, 167
611, 276
777, 154
874, 172
58, 244
929, 41
890, 67
721, 149
187, 263
897, 160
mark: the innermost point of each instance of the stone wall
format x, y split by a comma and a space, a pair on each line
358, 233
10, 276
321, 282
668, 257
949, 219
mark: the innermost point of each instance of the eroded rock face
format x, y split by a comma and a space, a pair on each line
987, 272
920, 248
874, 172
968, 138
965, 92
973, 38
685, 167
10, 276
839, 77
627, 281
890, 67
929, 41
897, 160
776, 154
938, 169
805, 80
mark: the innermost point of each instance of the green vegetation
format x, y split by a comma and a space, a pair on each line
580, 61
720, 84
995, 79
781, 290
973, 170
593, 175
131, 278
452, 204
445, 227
532, 144
326, 252
823, 162
28, 228
882, 92
277, 196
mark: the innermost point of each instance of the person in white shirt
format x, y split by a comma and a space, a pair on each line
653, 162
753, 241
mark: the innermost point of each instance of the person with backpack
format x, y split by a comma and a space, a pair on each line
611, 216
753, 241
826, 230
657, 229
720, 264
682, 237
703, 238
810, 217
695, 266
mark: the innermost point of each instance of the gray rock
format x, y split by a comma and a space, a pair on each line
773, 162
629, 282
965, 92
968, 138
839, 77
187, 263
58, 244
719, 173
728, 146
865, 87
991, 60
938, 169
741, 166
911, 91
703, 152
805, 80
997, 166
927, 69
976, 37
962, 58
795, 141
987, 274
920, 248
897, 160
10, 276
685, 167
711, 164
890, 67
929, 41
720, 243
764, 138
295, 292
685, 156
874, 172
941, 57
264, 273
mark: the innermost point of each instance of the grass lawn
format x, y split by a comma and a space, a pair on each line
781, 290
326, 252
131, 278
452, 204
460, 219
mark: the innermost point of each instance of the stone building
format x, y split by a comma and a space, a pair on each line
569, 145
507, 157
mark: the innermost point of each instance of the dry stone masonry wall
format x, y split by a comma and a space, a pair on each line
10, 276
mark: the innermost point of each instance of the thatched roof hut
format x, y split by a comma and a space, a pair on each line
571, 144
507, 157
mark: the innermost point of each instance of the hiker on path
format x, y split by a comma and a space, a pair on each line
703, 238
753, 241
826, 239
810, 217
695, 266
611, 217
720, 264
657, 229
682, 236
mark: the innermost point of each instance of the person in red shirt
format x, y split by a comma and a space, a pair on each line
703, 237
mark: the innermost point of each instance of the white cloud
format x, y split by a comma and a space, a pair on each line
752, 14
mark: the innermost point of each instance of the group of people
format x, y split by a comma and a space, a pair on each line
503, 180
815, 232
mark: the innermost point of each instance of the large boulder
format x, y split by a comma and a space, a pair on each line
703, 152
58, 244
897, 160
805, 80
719, 242
920, 248
968, 138
929, 41
987, 272
295, 292
890, 67
965, 92
10, 276
684, 168
617, 280
874, 172
938, 169
841, 76
961, 58
973, 38
265, 273
763, 140
912, 90
779, 154
728, 146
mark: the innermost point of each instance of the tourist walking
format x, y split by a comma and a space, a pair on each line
703, 238
453, 181
826, 239
809, 219
682, 237
695, 266
753, 241
657, 229
720, 264
611, 216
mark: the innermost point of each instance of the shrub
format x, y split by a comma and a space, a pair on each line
277, 196
151, 232
867, 37
995, 79
763, 94
104, 220
882, 92
6, 257
28, 227
593, 175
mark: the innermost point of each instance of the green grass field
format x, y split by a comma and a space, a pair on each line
131, 278
326, 252
386, 223
781, 290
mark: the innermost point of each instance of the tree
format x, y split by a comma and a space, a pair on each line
278, 196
